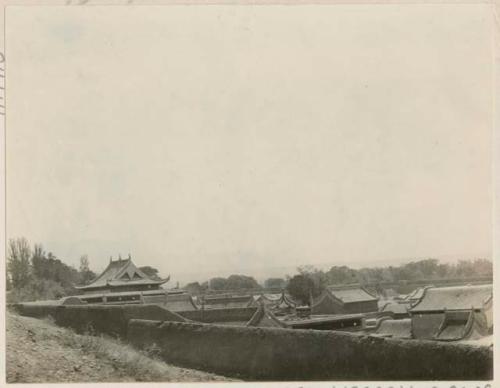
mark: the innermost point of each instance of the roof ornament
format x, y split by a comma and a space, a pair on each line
129, 257
119, 257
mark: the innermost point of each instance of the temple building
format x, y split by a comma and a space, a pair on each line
344, 300
122, 276
453, 313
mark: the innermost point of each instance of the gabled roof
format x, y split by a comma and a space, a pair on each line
454, 298
265, 318
416, 294
285, 301
272, 297
351, 294
228, 301
121, 273
267, 298
396, 308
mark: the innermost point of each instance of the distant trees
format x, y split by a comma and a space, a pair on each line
482, 267
151, 272
341, 275
35, 274
302, 287
233, 282
429, 269
217, 283
18, 262
196, 288
275, 283
86, 275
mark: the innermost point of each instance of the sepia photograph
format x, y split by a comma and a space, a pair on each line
250, 192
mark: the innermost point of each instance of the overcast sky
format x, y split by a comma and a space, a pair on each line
250, 139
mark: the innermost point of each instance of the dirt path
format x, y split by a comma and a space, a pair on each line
40, 352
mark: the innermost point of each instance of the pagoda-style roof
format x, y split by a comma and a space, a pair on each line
468, 297
120, 273
351, 294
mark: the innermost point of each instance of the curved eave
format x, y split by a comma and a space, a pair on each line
123, 284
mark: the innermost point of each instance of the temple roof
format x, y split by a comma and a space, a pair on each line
351, 294
227, 301
396, 308
454, 298
122, 273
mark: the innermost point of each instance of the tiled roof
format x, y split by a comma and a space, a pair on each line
351, 294
286, 301
454, 298
121, 272
265, 318
228, 301
396, 308
417, 294
272, 297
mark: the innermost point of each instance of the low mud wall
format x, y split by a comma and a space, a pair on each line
111, 320
280, 354
35, 310
236, 314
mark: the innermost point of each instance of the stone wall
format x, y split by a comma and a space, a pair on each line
272, 353
243, 314
106, 319
280, 354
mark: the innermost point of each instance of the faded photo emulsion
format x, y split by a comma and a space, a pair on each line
247, 193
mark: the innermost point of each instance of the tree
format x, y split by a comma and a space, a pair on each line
217, 283
86, 275
238, 282
151, 272
483, 267
319, 278
341, 275
275, 283
38, 261
195, 288
465, 268
18, 262
301, 287
49, 267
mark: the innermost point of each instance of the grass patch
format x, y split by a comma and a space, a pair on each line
142, 366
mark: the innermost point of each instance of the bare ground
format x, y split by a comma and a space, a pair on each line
40, 352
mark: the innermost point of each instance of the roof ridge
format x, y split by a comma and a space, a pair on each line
102, 273
126, 264
424, 293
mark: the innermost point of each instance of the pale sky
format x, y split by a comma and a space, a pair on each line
212, 140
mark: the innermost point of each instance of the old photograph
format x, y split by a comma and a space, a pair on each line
248, 193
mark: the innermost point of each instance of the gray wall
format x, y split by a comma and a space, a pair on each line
280, 354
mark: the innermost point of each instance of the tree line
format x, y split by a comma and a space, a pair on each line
233, 282
311, 281
34, 274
